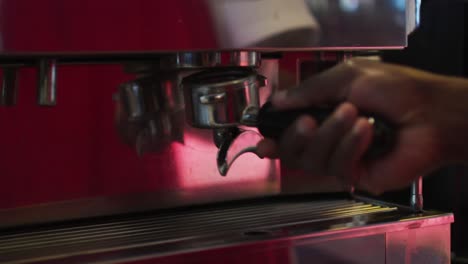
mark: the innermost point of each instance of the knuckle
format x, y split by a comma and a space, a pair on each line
354, 65
340, 127
366, 85
336, 128
364, 79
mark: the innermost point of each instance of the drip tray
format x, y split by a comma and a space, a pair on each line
165, 233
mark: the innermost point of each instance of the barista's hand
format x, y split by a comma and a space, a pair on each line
423, 106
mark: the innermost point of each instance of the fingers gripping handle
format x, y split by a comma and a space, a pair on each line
272, 124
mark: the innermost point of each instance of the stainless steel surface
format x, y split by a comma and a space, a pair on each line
151, 112
202, 25
230, 189
220, 98
9, 86
299, 221
426, 245
149, 94
197, 60
263, 23
417, 200
412, 16
194, 61
47, 83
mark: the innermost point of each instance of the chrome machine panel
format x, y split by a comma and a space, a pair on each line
147, 26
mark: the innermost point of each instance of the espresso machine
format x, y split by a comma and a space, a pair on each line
129, 133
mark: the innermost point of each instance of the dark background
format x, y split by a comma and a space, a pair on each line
439, 45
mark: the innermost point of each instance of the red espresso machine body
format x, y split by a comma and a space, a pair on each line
96, 135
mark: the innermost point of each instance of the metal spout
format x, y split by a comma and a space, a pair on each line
417, 202
47, 94
9, 88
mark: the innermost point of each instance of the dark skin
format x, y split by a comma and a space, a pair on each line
429, 110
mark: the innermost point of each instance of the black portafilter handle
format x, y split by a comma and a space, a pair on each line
272, 123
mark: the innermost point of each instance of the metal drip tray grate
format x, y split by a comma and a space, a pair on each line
106, 235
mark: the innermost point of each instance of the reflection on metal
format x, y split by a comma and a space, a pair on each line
219, 98
228, 24
418, 12
151, 112
417, 202
349, 5
9, 86
412, 15
270, 23
186, 61
302, 229
197, 60
47, 83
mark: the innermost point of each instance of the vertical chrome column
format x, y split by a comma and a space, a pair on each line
9, 86
47, 93
417, 195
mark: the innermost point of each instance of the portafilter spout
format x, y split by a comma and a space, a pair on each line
223, 99
234, 143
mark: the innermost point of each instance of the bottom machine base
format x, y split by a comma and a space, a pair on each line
269, 230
